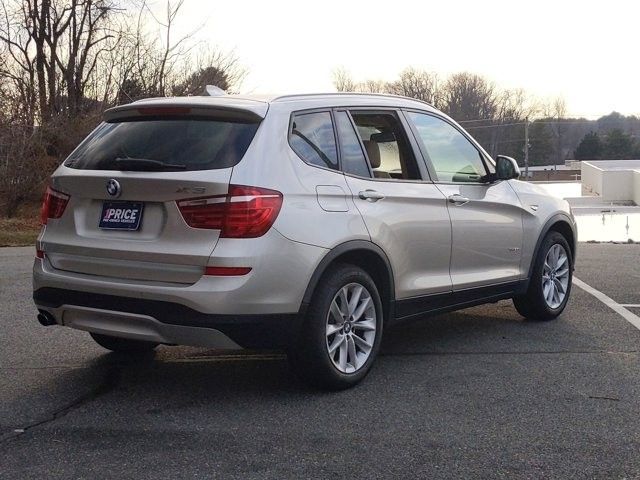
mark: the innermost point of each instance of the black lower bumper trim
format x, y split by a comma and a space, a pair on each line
249, 331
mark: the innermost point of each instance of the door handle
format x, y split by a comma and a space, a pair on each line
457, 199
370, 195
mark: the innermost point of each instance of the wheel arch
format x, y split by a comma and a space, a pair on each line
366, 255
562, 224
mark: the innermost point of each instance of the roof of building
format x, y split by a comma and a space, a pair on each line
540, 168
614, 164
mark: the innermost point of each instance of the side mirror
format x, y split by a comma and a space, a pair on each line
506, 168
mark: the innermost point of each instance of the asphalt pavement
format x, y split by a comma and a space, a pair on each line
478, 393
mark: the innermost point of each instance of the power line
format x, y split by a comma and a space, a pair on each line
562, 122
477, 120
543, 120
539, 122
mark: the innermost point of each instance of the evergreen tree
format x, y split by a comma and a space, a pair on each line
589, 148
619, 145
540, 146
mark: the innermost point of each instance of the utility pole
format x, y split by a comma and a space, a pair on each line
526, 148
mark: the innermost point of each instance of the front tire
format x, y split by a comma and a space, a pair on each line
123, 345
340, 337
550, 282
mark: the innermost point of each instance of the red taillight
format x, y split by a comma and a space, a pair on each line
245, 212
226, 271
53, 205
39, 254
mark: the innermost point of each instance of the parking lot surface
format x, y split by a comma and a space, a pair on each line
478, 393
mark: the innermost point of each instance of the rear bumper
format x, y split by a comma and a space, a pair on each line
254, 310
280, 272
163, 322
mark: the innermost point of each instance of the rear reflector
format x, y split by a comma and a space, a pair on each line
227, 271
39, 253
245, 212
53, 205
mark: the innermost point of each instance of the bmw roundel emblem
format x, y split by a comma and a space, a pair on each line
113, 187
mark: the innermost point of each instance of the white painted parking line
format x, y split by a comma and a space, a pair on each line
613, 305
630, 305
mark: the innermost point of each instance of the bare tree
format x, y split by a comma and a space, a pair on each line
54, 48
554, 111
211, 67
513, 107
62, 62
19, 178
373, 86
418, 84
467, 96
343, 81
155, 63
68, 56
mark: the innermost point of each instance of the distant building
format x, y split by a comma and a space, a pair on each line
551, 173
612, 180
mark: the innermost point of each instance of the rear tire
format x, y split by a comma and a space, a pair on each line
550, 282
340, 336
123, 345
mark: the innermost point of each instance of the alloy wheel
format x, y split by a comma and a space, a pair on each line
555, 276
351, 327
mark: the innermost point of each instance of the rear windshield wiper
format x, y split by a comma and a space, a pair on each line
145, 164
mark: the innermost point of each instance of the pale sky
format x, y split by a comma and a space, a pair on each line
585, 51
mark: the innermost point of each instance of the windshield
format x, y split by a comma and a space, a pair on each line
181, 144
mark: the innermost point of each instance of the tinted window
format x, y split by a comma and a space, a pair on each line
192, 144
453, 156
386, 145
353, 159
312, 138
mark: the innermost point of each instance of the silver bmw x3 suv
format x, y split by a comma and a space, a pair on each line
309, 223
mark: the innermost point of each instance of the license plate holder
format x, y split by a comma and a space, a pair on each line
121, 215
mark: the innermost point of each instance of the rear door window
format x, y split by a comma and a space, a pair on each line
388, 150
313, 139
194, 143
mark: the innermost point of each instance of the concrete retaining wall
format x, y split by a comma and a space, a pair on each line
617, 185
611, 180
591, 177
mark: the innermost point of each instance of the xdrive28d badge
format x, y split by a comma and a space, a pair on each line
113, 188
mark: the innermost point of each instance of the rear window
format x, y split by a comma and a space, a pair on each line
177, 144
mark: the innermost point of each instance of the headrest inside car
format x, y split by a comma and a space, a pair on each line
383, 137
373, 152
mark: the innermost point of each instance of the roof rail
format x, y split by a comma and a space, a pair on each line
346, 94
